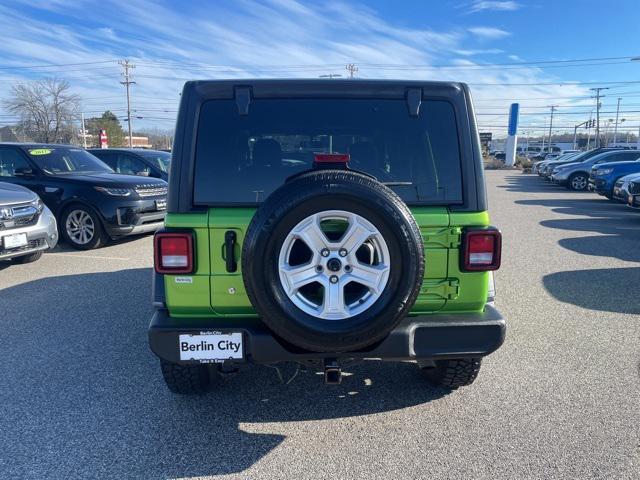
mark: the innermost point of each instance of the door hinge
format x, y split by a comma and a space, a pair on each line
445, 238
447, 289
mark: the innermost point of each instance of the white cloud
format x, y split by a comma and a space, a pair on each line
245, 39
493, 5
488, 33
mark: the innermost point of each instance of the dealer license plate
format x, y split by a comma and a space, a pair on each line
15, 241
210, 347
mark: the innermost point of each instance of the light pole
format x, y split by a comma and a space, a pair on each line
615, 127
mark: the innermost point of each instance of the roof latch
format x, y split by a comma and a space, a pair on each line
414, 100
243, 99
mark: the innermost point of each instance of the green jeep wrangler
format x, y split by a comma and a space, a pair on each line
325, 221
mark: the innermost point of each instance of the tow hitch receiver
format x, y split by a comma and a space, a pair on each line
332, 372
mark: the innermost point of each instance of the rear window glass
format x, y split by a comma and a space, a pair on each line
242, 159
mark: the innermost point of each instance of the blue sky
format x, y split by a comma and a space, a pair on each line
458, 40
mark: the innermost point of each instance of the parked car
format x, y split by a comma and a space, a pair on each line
603, 177
135, 161
309, 261
633, 198
91, 202
622, 186
579, 157
575, 176
27, 226
542, 165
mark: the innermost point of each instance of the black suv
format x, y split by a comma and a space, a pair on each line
90, 201
135, 161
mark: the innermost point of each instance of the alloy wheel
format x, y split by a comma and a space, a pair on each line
334, 265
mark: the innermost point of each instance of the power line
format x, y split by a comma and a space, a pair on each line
13, 67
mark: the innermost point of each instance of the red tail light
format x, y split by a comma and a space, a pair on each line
173, 253
481, 249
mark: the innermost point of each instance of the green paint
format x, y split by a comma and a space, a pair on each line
215, 292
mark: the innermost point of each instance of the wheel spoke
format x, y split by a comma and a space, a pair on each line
333, 305
299, 276
355, 236
311, 234
371, 276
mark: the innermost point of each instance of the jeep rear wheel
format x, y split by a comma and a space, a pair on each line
332, 261
453, 373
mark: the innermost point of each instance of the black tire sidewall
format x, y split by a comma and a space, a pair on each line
317, 192
98, 234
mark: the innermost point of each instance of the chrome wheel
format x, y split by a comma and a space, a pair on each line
80, 227
579, 182
334, 265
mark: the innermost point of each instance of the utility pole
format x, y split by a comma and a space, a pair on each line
553, 109
84, 132
615, 127
127, 82
597, 97
352, 69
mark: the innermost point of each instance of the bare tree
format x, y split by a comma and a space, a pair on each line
47, 109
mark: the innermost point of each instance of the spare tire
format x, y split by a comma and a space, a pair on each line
332, 261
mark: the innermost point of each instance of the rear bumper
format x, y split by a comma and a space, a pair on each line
424, 337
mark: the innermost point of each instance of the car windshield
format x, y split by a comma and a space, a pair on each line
160, 160
243, 158
66, 161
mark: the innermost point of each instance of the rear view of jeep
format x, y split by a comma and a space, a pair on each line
322, 222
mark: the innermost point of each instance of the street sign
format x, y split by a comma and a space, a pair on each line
104, 140
513, 118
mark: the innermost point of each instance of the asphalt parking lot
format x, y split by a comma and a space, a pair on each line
81, 395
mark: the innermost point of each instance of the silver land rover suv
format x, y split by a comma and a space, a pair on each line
27, 226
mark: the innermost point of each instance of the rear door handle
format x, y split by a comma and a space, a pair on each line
230, 251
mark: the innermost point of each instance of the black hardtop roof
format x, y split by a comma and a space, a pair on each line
283, 88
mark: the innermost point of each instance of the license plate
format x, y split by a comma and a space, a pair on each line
161, 204
210, 347
15, 241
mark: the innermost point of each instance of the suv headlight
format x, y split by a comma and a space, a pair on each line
116, 192
38, 205
604, 171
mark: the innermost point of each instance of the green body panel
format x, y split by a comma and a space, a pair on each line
214, 292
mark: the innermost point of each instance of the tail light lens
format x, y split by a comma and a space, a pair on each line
173, 253
481, 249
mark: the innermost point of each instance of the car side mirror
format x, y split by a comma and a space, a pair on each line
23, 172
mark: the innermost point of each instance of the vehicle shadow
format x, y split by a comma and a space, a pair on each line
528, 183
617, 226
605, 290
82, 394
